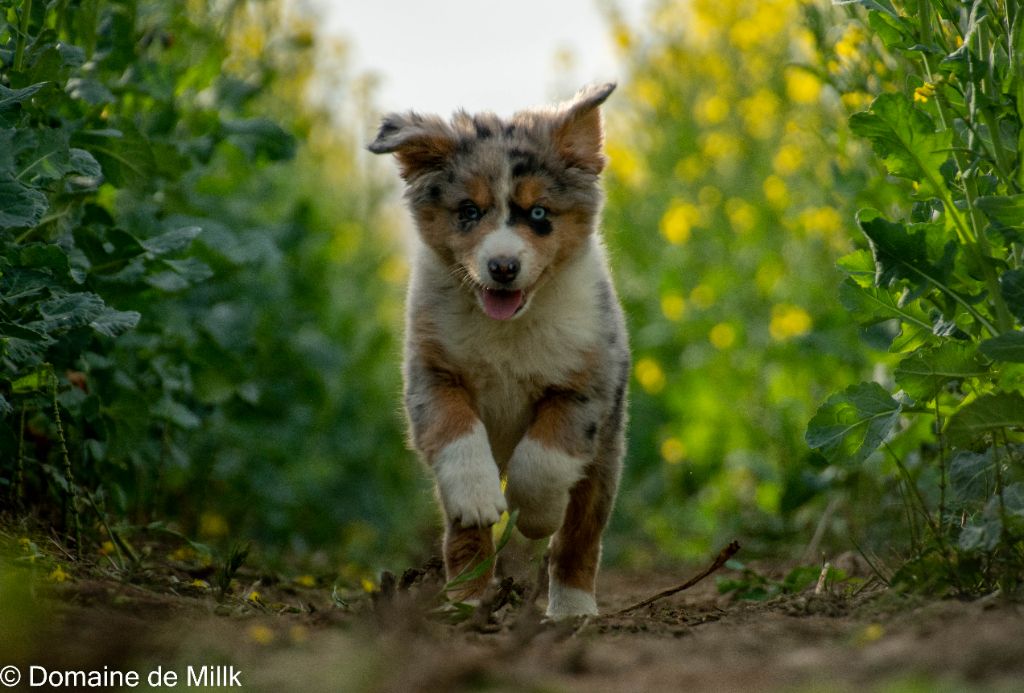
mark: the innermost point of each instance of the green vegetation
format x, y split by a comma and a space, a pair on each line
197, 307
943, 282
200, 287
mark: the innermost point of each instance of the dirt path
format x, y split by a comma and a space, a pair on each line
282, 635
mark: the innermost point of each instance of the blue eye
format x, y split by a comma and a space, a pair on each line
538, 213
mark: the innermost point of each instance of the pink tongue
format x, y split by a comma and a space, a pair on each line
501, 304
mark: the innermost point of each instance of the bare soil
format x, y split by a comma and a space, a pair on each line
288, 634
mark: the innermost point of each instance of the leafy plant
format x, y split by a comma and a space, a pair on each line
754, 585
941, 281
194, 322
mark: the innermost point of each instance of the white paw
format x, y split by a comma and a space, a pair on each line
568, 602
468, 481
539, 480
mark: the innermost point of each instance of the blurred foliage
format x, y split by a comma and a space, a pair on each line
198, 295
732, 183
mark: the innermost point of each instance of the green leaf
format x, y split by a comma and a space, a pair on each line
898, 254
70, 311
125, 155
924, 373
852, 424
260, 137
859, 266
114, 323
1008, 346
91, 91
44, 256
971, 475
39, 380
986, 414
172, 241
1003, 209
869, 305
893, 30
871, 5
1011, 286
12, 97
20, 206
176, 413
905, 138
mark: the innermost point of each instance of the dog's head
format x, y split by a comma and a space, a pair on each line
504, 203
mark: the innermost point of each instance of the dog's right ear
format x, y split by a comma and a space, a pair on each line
420, 143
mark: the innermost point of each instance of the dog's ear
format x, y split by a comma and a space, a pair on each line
578, 133
420, 143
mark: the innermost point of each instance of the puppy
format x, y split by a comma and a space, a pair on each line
516, 356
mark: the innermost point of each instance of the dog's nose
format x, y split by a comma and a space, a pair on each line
503, 269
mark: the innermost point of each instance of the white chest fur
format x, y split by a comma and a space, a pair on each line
509, 363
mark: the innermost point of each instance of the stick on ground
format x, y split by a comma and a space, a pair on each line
723, 556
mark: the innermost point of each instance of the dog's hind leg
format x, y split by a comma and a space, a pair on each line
575, 551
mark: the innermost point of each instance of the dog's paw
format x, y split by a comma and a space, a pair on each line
569, 602
539, 480
468, 481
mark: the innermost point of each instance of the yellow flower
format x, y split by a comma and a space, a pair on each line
722, 335
200, 584
260, 634
759, 113
367, 585
924, 92
824, 222
673, 306
870, 633
856, 100
212, 524
305, 581
711, 110
255, 598
58, 575
775, 191
106, 548
625, 165
650, 375
689, 168
672, 450
788, 321
719, 146
849, 46
648, 92
741, 215
802, 86
788, 159
678, 220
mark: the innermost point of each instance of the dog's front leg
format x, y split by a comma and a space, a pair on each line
562, 486
453, 440
550, 459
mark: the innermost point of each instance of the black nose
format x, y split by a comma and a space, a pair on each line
503, 269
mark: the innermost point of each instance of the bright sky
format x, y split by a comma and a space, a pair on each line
440, 55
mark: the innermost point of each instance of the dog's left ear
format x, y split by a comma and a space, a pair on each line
578, 133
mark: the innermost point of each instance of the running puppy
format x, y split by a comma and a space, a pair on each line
516, 356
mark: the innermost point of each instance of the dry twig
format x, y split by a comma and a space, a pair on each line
723, 556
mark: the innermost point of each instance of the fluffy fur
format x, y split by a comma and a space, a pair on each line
516, 358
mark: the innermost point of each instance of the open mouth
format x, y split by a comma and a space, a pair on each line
502, 304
